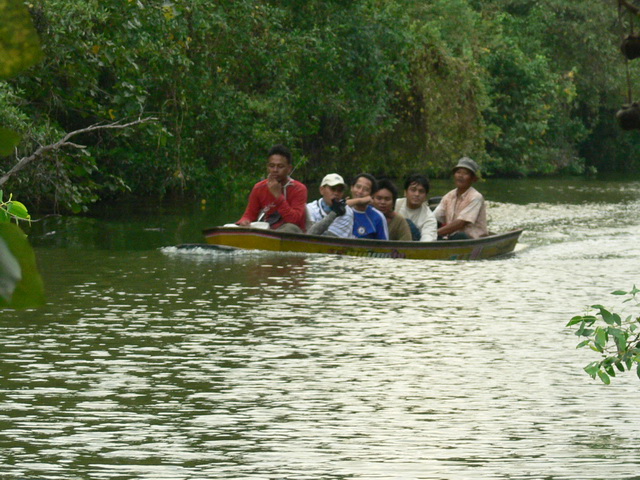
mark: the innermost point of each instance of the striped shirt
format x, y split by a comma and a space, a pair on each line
341, 226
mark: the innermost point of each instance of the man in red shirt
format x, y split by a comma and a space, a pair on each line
278, 200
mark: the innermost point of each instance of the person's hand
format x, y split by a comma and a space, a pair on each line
339, 206
274, 186
243, 223
360, 202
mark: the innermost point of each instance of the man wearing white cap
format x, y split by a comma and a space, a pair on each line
462, 212
329, 215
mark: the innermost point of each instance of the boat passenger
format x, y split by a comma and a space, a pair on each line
329, 215
462, 212
278, 200
384, 200
368, 222
415, 208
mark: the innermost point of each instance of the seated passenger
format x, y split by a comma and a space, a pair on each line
462, 212
278, 200
415, 207
329, 215
367, 221
384, 200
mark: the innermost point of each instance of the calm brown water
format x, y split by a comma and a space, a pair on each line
153, 363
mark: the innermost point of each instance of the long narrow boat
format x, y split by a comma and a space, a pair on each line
271, 240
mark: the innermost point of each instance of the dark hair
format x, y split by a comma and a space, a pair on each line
388, 184
417, 178
371, 178
280, 150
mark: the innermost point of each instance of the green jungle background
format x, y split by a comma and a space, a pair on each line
526, 87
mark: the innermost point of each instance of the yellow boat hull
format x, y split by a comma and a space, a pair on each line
274, 241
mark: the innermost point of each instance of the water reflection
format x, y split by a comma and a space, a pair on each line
166, 365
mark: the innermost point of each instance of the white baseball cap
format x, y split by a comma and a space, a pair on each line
332, 180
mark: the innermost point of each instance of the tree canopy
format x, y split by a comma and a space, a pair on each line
389, 86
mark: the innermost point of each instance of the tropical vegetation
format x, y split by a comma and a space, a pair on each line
390, 86
20, 283
614, 338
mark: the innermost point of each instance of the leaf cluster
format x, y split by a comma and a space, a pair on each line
615, 338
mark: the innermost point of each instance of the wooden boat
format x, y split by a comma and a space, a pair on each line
271, 240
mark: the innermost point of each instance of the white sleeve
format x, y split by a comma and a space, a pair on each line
429, 231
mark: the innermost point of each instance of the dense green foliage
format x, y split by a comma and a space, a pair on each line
20, 283
614, 338
389, 86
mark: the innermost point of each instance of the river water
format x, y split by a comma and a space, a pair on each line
153, 363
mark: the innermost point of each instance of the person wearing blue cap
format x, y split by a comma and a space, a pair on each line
462, 212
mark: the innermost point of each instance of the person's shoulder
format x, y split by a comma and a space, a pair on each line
401, 203
297, 184
261, 183
473, 194
476, 192
375, 211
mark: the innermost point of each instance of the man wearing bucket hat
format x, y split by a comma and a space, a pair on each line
329, 215
462, 212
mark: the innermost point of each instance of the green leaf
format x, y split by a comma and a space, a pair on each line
604, 377
19, 43
628, 362
575, 320
619, 366
8, 141
18, 209
592, 369
583, 343
601, 337
28, 291
607, 316
620, 337
596, 348
638, 371
619, 292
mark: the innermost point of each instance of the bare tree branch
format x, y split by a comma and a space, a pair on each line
629, 6
64, 142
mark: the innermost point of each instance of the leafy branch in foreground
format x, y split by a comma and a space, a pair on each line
12, 210
20, 283
615, 338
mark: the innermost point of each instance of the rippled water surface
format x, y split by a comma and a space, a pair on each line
155, 363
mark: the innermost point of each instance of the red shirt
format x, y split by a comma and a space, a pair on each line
291, 205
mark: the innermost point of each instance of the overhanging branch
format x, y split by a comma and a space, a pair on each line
629, 6
64, 142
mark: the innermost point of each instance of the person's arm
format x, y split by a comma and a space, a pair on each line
293, 208
323, 225
359, 202
452, 227
429, 229
440, 213
252, 211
